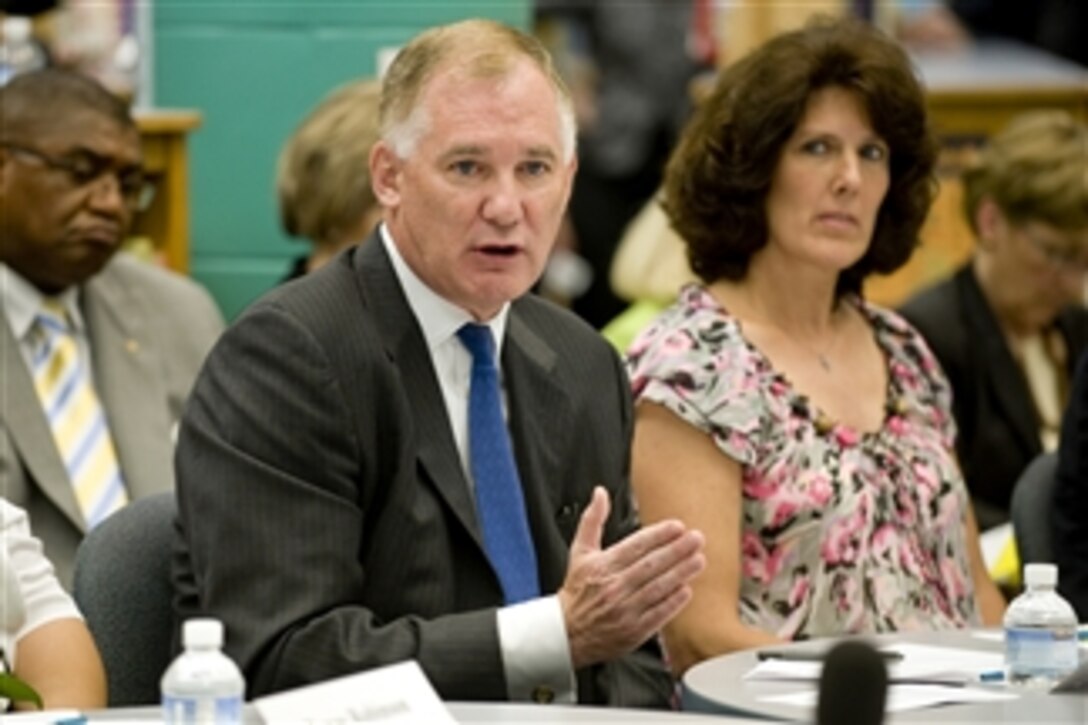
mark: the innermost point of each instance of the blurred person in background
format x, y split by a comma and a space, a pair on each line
630, 66
43, 641
807, 433
1056, 26
98, 349
1009, 326
27, 7
1070, 525
323, 175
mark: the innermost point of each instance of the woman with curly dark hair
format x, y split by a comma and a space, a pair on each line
807, 433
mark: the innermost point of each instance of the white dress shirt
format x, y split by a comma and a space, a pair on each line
23, 301
532, 634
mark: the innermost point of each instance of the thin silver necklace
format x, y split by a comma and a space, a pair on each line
821, 356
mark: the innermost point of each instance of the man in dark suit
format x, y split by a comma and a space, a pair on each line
333, 477
1070, 525
71, 184
1053, 25
1009, 326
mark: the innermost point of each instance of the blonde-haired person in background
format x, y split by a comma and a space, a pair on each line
1009, 325
649, 269
43, 639
323, 175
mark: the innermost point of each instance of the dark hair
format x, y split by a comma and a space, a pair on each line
32, 100
719, 175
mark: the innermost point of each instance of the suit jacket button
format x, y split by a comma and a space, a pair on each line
543, 694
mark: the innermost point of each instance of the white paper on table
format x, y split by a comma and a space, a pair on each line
780, 669
906, 697
951, 665
990, 635
922, 661
398, 693
43, 717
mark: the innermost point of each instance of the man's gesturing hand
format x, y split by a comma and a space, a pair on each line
615, 599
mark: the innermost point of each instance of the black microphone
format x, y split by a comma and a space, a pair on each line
1076, 681
853, 686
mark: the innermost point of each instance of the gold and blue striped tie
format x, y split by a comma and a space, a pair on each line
76, 417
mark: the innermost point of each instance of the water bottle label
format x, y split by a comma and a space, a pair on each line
1040, 651
202, 710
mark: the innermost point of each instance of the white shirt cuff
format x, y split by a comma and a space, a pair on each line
536, 653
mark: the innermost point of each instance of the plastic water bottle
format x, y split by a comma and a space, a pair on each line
202, 685
19, 53
1040, 631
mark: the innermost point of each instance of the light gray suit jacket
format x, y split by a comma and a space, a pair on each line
149, 331
323, 508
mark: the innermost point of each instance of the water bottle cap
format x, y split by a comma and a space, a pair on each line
202, 633
1036, 575
17, 27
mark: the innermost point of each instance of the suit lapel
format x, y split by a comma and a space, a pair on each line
539, 421
22, 415
1002, 375
407, 350
127, 371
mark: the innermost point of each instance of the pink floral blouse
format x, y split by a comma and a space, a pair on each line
843, 531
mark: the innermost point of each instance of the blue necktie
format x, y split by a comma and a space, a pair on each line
499, 500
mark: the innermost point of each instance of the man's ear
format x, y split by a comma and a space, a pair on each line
385, 171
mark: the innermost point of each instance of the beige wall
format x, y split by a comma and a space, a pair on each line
744, 24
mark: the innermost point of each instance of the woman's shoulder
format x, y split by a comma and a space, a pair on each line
696, 345
894, 332
884, 319
910, 359
695, 361
695, 318
695, 337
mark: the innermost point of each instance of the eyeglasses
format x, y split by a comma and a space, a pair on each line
1064, 257
84, 169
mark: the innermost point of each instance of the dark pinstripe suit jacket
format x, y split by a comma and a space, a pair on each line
324, 514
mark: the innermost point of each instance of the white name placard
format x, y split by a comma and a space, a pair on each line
398, 693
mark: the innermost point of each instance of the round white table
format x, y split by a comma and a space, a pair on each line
717, 686
467, 713
482, 713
